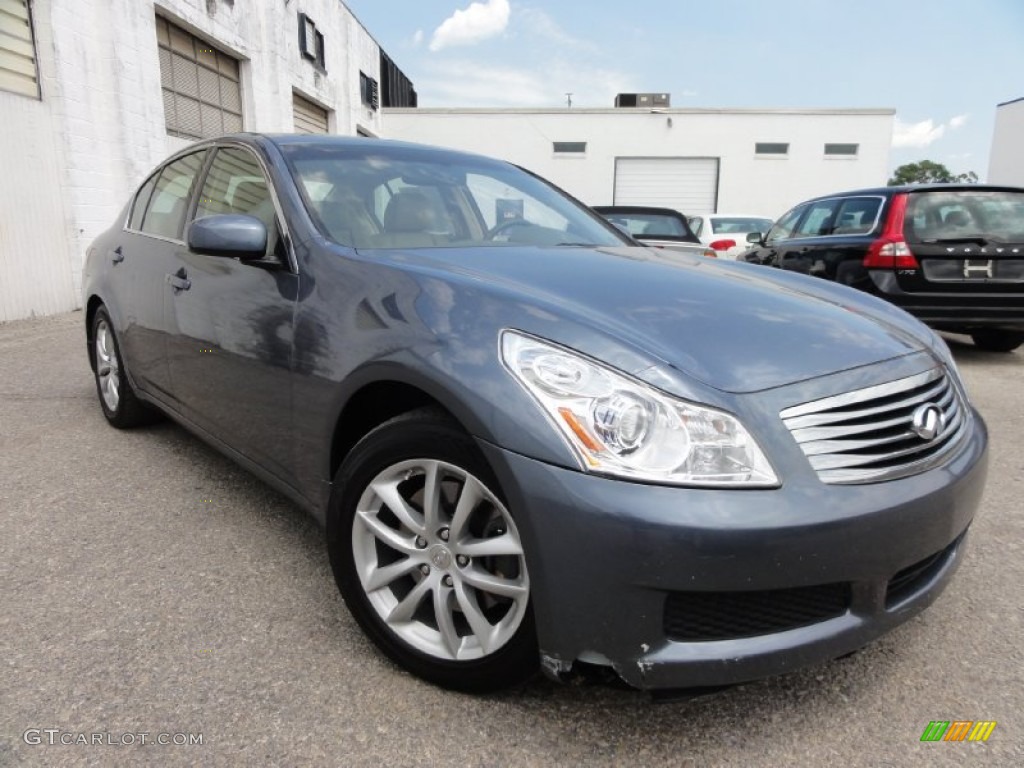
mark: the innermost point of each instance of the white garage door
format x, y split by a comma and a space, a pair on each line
687, 184
309, 118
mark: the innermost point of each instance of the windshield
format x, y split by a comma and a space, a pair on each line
380, 196
964, 213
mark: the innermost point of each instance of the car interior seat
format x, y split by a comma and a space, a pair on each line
956, 218
347, 218
410, 211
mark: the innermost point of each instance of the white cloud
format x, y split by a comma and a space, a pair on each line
540, 24
916, 134
471, 25
471, 83
958, 121
417, 38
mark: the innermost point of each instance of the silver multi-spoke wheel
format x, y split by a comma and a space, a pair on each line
108, 371
440, 560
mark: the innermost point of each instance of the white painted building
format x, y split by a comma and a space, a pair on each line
93, 93
753, 161
1006, 162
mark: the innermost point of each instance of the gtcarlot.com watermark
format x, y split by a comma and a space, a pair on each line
55, 736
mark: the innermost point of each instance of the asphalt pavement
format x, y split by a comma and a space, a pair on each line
150, 586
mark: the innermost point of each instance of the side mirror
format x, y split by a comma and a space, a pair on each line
229, 234
755, 238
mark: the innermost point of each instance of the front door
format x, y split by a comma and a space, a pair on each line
230, 346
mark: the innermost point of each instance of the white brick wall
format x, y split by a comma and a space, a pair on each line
746, 183
100, 125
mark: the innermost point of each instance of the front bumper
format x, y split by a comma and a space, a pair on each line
606, 555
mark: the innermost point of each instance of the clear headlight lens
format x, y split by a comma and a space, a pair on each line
625, 428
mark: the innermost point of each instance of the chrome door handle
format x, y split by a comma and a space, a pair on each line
179, 282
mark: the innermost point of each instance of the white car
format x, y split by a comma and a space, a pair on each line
726, 233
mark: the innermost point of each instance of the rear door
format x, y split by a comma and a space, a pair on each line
967, 241
231, 339
832, 238
148, 253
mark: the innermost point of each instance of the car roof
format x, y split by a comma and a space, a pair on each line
917, 188
636, 209
335, 140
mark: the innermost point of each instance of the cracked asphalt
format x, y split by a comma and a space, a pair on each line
149, 585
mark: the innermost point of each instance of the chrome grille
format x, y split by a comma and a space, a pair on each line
865, 436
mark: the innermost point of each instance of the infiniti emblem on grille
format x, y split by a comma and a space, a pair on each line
928, 421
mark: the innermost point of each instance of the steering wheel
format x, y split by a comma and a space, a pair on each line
505, 226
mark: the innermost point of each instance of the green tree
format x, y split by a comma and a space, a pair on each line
928, 172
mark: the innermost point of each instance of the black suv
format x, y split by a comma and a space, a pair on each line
950, 254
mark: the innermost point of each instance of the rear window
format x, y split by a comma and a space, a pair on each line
740, 225
649, 224
959, 213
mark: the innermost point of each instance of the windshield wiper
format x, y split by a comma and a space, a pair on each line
976, 239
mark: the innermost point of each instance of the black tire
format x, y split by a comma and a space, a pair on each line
995, 340
128, 411
426, 435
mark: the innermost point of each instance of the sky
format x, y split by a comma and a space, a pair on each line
943, 65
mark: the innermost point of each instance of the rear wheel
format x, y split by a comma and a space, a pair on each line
121, 407
997, 340
428, 556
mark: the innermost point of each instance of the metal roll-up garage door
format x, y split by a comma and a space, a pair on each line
309, 118
687, 184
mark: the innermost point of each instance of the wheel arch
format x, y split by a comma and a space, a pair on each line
91, 307
378, 395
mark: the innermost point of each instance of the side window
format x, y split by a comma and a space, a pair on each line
139, 206
169, 203
856, 216
818, 220
783, 228
697, 225
235, 184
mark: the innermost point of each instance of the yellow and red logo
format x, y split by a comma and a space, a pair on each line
958, 730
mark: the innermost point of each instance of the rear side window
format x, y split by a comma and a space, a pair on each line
856, 216
166, 210
697, 225
818, 220
951, 214
141, 199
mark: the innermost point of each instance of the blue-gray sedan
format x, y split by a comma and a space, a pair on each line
532, 443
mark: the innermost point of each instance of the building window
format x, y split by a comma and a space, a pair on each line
18, 70
570, 147
309, 117
368, 91
396, 89
311, 42
771, 148
842, 149
202, 96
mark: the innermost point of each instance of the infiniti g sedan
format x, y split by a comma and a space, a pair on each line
532, 443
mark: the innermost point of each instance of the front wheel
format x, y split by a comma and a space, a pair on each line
428, 557
997, 340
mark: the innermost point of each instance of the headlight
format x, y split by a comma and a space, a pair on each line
622, 427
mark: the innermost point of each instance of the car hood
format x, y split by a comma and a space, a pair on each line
735, 327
